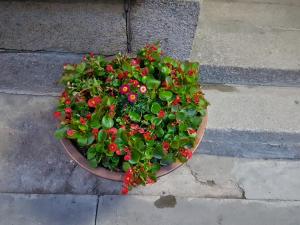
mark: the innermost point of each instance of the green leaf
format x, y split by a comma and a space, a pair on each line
165, 95
101, 136
91, 153
126, 166
95, 122
93, 163
155, 108
60, 133
151, 83
136, 117
82, 141
148, 117
107, 122
171, 116
90, 139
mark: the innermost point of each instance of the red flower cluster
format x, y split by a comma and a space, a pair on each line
128, 180
186, 153
93, 102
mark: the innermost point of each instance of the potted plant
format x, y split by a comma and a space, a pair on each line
131, 119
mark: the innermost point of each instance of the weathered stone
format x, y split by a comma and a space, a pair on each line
18, 209
31, 159
33, 72
189, 211
80, 26
212, 74
242, 42
171, 22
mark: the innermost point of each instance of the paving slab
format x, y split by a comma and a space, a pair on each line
78, 26
18, 209
33, 161
191, 211
173, 23
247, 34
242, 42
35, 73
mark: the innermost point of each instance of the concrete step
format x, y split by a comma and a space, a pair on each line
33, 161
105, 27
21, 209
243, 42
253, 121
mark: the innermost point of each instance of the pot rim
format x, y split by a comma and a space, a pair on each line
118, 176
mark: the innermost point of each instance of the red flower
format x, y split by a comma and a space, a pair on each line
191, 72
145, 71
113, 147
147, 136
127, 157
196, 99
64, 94
93, 102
109, 68
191, 131
135, 83
95, 132
176, 100
150, 181
186, 153
112, 131
134, 126
166, 145
161, 114
68, 101
118, 152
143, 89
82, 121
112, 108
124, 190
89, 116
84, 58
57, 115
70, 132
141, 131
124, 89
132, 97
68, 110
135, 62
92, 54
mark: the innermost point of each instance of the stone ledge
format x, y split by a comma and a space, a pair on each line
171, 22
80, 26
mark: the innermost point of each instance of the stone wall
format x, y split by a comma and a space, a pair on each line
103, 26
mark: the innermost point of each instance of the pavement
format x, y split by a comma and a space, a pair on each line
247, 168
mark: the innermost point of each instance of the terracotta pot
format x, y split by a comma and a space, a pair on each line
118, 176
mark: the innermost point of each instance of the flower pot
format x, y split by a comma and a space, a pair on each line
118, 176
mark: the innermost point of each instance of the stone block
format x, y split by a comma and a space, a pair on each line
67, 26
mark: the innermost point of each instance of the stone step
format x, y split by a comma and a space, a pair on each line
105, 27
19, 209
253, 121
33, 161
243, 42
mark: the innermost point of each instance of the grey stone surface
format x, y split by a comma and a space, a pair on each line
249, 76
33, 72
248, 33
254, 108
171, 22
31, 159
177, 211
251, 144
47, 209
266, 179
80, 26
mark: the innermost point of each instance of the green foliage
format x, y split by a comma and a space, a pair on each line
150, 123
